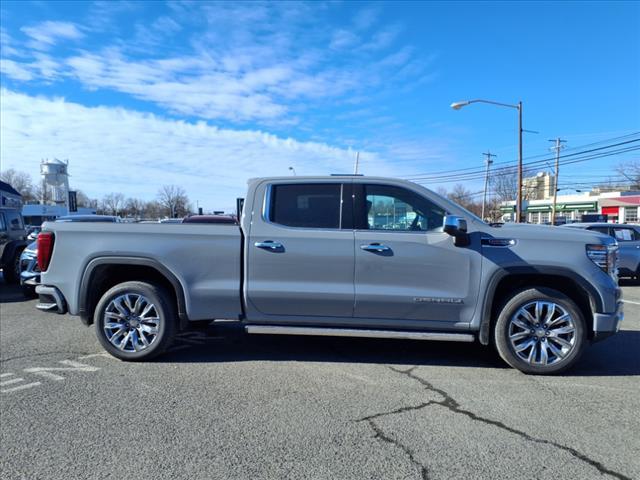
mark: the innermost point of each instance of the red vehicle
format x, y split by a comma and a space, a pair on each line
229, 219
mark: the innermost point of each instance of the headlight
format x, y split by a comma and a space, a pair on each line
604, 256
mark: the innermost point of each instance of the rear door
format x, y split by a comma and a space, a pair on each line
407, 268
300, 259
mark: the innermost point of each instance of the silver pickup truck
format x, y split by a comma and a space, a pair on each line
343, 256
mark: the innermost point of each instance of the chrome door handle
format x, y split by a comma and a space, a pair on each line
269, 245
375, 247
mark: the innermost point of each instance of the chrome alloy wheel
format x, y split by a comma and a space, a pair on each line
131, 322
542, 333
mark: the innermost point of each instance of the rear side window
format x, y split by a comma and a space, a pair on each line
625, 234
14, 219
3, 226
306, 205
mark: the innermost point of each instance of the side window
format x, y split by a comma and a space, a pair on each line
312, 205
623, 234
14, 219
604, 230
3, 226
395, 208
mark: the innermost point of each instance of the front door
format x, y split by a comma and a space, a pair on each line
300, 259
628, 248
407, 268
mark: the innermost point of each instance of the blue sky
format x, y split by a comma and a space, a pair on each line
206, 95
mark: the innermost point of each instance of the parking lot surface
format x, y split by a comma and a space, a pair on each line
224, 405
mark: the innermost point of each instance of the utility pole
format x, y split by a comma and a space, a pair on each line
557, 147
486, 180
355, 166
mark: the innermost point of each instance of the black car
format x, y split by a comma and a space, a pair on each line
13, 235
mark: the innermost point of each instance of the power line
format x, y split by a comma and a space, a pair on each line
475, 169
503, 170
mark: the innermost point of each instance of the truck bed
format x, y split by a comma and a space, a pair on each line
204, 258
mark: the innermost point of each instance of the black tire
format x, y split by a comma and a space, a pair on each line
11, 271
164, 306
199, 324
28, 292
525, 298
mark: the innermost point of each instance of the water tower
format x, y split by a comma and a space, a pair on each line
55, 178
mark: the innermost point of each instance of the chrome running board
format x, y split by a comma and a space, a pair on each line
354, 332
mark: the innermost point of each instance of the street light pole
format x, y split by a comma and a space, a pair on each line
518, 106
519, 204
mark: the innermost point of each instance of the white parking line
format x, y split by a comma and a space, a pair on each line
9, 382
629, 301
21, 387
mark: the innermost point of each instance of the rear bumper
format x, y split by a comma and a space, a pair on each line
606, 324
50, 299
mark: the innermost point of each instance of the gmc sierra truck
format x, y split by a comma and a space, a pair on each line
342, 256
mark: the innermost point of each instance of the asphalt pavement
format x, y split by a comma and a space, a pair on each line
225, 405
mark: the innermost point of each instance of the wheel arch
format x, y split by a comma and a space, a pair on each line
102, 273
10, 250
508, 280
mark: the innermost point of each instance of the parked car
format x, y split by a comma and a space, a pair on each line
13, 235
628, 237
28, 265
314, 256
32, 233
220, 219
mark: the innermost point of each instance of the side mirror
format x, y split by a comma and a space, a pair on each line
457, 228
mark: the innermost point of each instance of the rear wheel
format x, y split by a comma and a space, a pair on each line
540, 331
11, 272
135, 321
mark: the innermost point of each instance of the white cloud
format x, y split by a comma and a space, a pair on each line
366, 17
257, 63
46, 34
16, 70
118, 150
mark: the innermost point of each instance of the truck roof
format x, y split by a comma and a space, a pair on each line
333, 177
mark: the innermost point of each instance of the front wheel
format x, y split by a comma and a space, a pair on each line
135, 321
540, 331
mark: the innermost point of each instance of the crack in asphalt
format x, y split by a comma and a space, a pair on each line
452, 405
379, 434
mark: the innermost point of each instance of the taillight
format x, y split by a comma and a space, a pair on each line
45, 248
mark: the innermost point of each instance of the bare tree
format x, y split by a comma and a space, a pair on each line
113, 203
465, 198
631, 172
174, 199
83, 200
22, 182
504, 184
135, 207
153, 209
